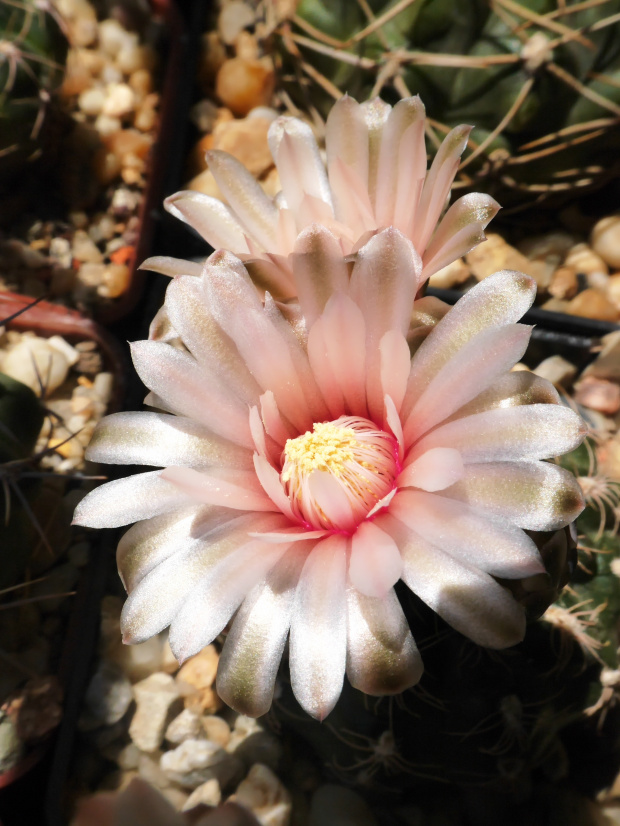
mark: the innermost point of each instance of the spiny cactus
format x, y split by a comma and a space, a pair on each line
33, 50
538, 78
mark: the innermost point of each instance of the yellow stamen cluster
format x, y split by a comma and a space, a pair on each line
327, 448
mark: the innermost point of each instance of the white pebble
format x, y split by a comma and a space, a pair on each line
113, 37
120, 100
103, 385
605, 240
92, 101
35, 362
234, 17
106, 125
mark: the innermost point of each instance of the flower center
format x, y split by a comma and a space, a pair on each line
337, 473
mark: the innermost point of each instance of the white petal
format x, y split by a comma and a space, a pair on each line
210, 218
318, 641
434, 469
232, 489
376, 564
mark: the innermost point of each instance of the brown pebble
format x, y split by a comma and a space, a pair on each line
116, 280
598, 394
128, 142
212, 57
242, 85
593, 304
199, 671
564, 283
203, 701
245, 140
605, 240
582, 258
613, 289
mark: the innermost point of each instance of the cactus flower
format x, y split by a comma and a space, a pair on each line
309, 463
375, 176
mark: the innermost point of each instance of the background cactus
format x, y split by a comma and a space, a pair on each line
33, 50
539, 79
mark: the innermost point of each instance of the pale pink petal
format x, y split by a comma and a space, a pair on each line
395, 365
123, 501
286, 230
314, 400
478, 363
193, 320
210, 604
536, 496
157, 597
498, 300
470, 536
254, 645
382, 657
346, 143
318, 355
382, 503
190, 389
341, 354
296, 154
331, 499
353, 208
165, 265
214, 221
461, 228
256, 212
275, 426
160, 439
437, 185
536, 431
383, 284
269, 478
376, 113
148, 543
238, 490
259, 436
470, 600
434, 469
238, 310
318, 641
511, 390
376, 564
393, 422
319, 269
314, 211
402, 163
288, 534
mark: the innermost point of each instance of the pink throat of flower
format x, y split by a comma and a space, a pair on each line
336, 475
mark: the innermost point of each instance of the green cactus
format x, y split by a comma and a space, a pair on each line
33, 50
538, 78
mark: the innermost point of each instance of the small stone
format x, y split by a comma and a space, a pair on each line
11, 747
110, 74
216, 729
593, 304
264, 795
203, 701
209, 794
564, 283
583, 259
551, 245
107, 126
92, 101
146, 115
555, 305
84, 249
204, 115
128, 757
233, 18
195, 762
107, 166
116, 280
102, 387
451, 276
608, 458
187, 725
156, 701
247, 46
120, 100
133, 57
38, 364
60, 250
556, 370
129, 142
243, 84
113, 37
91, 275
108, 697
607, 363
150, 770
613, 289
496, 254
141, 81
605, 240
339, 806
199, 671
598, 394
245, 140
